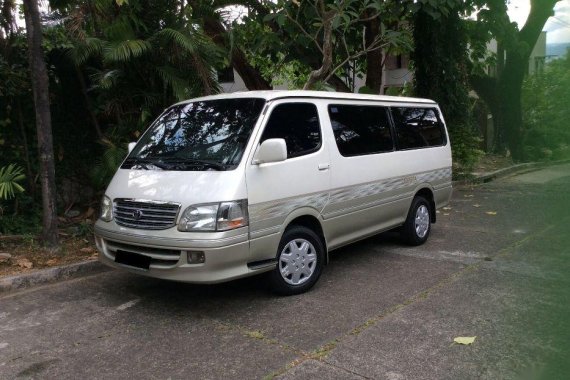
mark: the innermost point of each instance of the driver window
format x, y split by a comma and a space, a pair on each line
298, 124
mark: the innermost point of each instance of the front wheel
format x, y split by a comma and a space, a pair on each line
416, 229
300, 259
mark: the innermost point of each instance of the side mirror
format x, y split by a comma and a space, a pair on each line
271, 150
132, 146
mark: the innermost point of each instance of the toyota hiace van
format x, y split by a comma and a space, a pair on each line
234, 185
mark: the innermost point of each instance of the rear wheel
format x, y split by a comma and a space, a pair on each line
417, 227
300, 259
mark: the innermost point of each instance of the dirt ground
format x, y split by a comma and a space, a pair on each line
27, 255
490, 163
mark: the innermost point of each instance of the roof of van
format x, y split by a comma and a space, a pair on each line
280, 94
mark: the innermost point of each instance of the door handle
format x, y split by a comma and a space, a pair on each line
324, 166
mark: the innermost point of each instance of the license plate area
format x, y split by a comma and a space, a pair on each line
132, 260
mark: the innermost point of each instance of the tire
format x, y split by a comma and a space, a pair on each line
417, 227
300, 261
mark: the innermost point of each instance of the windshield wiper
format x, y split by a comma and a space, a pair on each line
175, 163
185, 163
145, 162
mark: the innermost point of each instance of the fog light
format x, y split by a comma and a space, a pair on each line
195, 257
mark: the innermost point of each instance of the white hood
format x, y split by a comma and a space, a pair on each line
184, 187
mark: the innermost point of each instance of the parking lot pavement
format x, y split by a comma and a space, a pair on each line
495, 267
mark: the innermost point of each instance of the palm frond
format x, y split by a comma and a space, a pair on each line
206, 75
188, 42
81, 52
9, 177
175, 80
105, 166
106, 79
124, 51
120, 28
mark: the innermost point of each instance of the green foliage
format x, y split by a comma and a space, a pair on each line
115, 151
20, 224
407, 90
287, 41
545, 112
13, 78
125, 51
465, 150
440, 58
9, 177
189, 43
138, 58
367, 90
83, 229
21, 215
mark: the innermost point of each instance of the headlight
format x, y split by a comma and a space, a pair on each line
214, 217
199, 218
106, 209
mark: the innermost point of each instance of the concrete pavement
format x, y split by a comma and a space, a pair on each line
496, 267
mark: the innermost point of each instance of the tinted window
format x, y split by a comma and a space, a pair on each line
198, 136
417, 128
298, 124
361, 130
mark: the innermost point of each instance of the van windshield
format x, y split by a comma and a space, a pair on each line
207, 135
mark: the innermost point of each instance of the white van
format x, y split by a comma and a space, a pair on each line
228, 186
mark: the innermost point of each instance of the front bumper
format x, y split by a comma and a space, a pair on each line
226, 257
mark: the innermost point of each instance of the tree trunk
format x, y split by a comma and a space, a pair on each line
509, 89
40, 85
512, 121
487, 89
516, 67
250, 75
21, 125
327, 58
338, 84
503, 96
373, 58
92, 116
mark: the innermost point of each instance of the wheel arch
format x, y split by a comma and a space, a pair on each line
426, 192
309, 218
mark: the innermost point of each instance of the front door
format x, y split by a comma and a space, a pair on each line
275, 190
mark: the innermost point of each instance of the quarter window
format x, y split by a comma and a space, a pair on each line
417, 128
360, 130
298, 124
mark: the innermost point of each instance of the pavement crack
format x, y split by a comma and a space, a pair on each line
258, 335
317, 355
346, 370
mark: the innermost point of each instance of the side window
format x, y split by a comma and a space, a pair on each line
360, 130
417, 127
298, 124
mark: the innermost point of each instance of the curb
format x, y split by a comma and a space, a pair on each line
45, 276
491, 176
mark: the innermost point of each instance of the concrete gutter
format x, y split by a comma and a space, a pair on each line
45, 276
485, 177
85, 268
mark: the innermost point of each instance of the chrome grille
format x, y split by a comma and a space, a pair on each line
146, 215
